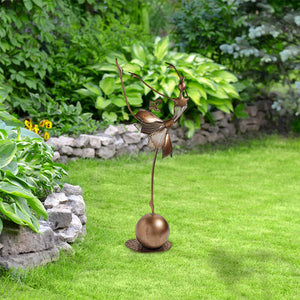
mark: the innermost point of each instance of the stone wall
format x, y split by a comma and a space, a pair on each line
20, 247
117, 140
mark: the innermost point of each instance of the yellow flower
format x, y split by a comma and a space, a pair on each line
28, 124
42, 123
46, 136
48, 124
36, 129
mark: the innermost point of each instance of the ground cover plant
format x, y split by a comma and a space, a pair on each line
233, 216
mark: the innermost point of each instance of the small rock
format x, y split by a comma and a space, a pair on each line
88, 153
106, 139
56, 156
67, 248
119, 143
106, 152
77, 204
60, 216
55, 199
70, 234
64, 159
55, 143
212, 137
82, 140
131, 128
112, 130
66, 150
197, 139
132, 137
251, 110
70, 189
222, 123
77, 152
132, 149
95, 142
218, 115
83, 219
66, 141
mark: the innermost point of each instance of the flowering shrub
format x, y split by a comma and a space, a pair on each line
39, 129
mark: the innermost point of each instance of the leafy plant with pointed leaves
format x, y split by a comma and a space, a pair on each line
209, 84
27, 174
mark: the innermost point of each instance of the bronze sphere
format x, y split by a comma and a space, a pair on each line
152, 231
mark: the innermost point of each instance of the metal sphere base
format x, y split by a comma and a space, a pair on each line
136, 246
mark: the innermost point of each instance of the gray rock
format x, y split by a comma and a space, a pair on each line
21, 239
131, 128
197, 139
106, 139
60, 216
66, 141
229, 130
132, 137
88, 153
112, 130
29, 260
70, 189
55, 199
251, 110
82, 141
249, 124
83, 219
222, 123
218, 115
55, 143
173, 135
119, 143
95, 142
229, 116
66, 248
132, 149
77, 205
56, 156
77, 152
70, 234
142, 143
106, 152
122, 151
121, 129
67, 150
212, 137
64, 159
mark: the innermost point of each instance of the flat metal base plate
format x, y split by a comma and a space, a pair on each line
136, 246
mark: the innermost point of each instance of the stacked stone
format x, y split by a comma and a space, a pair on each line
20, 247
121, 139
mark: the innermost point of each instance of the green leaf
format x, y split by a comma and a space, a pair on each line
9, 119
189, 124
28, 4
229, 89
93, 89
110, 117
135, 99
195, 95
118, 101
218, 92
105, 67
224, 76
239, 111
102, 103
39, 3
169, 85
107, 85
161, 48
9, 211
138, 52
12, 167
8, 149
14, 190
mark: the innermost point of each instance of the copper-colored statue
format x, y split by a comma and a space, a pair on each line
152, 230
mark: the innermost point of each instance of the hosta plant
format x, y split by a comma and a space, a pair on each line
27, 174
208, 84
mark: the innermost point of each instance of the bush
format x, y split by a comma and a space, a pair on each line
208, 84
27, 174
259, 40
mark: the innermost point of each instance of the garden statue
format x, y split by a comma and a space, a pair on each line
152, 230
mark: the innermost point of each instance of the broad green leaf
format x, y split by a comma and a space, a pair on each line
133, 68
9, 211
84, 92
224, 75
118, 101
14, 190
93, 89
218, 92
9, 119
39, 3
229, 89
226, 106
206, 82
134, 88
8, 148
199, 87
135, 99
161, 48
169, 85
105, 67
195, 95
110, 117
138, 52
102, 103
107, 85
239, 111
191, 57
189, 124
12, 167
28, 4
23, 212
138, 62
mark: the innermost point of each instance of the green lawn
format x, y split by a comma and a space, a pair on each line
234, 217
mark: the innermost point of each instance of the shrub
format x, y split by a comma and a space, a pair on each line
27, 174
208, 84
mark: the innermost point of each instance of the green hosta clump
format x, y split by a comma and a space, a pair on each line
208, 84
27, 174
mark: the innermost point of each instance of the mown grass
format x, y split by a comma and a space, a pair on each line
234, 225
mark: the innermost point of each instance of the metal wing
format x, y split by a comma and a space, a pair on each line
150, 122
167, 148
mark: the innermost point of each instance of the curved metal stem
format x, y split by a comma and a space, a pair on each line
152, 180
